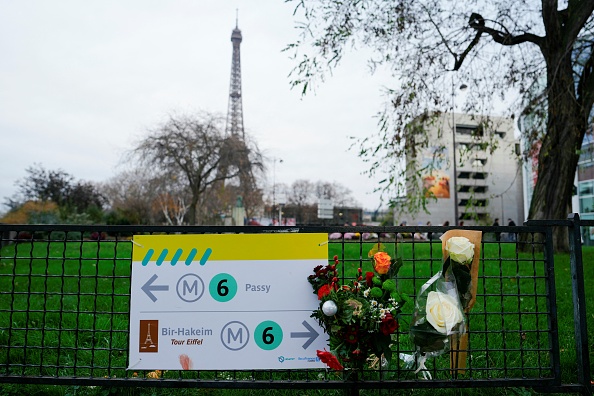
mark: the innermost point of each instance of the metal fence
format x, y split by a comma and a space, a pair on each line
65, 299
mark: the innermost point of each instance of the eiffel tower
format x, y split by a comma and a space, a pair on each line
235, 110
149, 339
235, 153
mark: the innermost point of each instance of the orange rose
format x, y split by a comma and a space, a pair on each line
382, 262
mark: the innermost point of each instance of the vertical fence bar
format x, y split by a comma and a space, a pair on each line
552, 304
579, 300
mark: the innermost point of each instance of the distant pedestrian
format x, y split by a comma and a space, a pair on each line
428, 235
511, 236
420, 236
402, 235
497, 234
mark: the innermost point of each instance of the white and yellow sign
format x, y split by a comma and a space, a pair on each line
222, 302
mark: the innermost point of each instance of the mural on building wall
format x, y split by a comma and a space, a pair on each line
436, 182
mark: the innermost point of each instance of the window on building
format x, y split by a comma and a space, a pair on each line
474, 202
474, 147
586, 188
475, 189
587, 204
465, 130
586, 194
586, 171
479, 175
472, 216
587, 153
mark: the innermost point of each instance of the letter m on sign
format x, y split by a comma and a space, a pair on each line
190, 284
235, 336
187, 288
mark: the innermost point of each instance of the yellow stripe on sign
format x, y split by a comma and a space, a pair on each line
231, 246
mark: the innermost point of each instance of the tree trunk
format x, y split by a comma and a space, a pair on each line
193, 210
559, 152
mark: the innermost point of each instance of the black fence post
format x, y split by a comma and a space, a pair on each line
579, 301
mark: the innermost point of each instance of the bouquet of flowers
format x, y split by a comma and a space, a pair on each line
442, 301
359, 315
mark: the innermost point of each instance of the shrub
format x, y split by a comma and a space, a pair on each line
98, 236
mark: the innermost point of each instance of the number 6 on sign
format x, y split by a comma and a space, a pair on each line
222, 287
268, 335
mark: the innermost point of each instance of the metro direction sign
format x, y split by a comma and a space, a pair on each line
223, 302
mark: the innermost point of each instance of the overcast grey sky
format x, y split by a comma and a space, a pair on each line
80, 81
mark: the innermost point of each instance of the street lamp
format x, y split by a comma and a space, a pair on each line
462, 88
280, 161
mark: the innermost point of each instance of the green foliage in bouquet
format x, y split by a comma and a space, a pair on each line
359, 315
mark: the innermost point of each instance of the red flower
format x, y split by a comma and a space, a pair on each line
389, 324
329, 360
358, 354
324, 291
369, 278
351, 335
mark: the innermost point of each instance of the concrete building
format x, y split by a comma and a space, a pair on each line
487, 182
585, 186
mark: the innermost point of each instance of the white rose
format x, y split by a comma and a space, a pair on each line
461, 249
442, 311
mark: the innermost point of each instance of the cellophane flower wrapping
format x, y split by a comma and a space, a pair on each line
438, 314
443, 301
359, 315
457, 244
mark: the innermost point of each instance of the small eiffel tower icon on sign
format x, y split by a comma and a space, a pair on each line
149, 345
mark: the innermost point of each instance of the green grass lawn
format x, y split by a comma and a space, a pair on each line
67, 302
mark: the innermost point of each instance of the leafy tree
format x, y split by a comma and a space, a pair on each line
46, 185
542, 51
195, 150
173, 207
33, 212
301, 194
130, 196
62, 189
84, 197
339, 194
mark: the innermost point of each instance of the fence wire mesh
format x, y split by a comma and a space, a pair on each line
65, 299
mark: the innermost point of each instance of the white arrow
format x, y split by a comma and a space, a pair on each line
148, 287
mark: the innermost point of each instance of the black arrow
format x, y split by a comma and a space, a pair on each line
148, 287
312, 334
